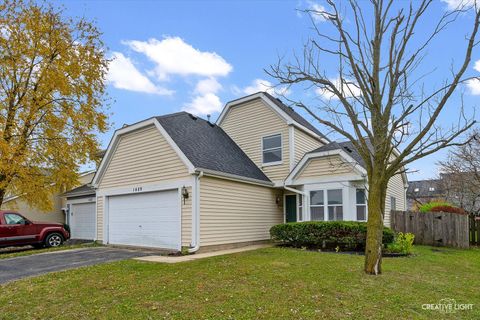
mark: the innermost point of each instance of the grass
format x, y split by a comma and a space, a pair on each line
28, 252
271, 283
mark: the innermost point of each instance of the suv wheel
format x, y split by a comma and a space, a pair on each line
53, 240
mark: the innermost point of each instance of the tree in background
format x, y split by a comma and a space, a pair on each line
460, 176
378, 101
52, 85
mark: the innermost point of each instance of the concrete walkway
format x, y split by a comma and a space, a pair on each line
167, 259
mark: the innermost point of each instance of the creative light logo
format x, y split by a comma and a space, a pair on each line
447, 305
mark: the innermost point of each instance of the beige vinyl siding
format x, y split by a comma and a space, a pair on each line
325, 166
232, 212
142, 156
247, 123
34, 214
304, 143
395, 189
100, 207
187, 219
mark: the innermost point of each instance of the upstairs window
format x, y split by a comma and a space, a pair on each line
272, 149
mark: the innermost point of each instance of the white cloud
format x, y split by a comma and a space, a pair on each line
209, 85
262, 85
474, 84
123, 74
349, 89
173, 56
204, 104
455, 4
315, 10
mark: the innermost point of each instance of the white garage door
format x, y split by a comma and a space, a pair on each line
145, 219
82, 220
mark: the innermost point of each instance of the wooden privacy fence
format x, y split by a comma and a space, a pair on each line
433, 228
475, 230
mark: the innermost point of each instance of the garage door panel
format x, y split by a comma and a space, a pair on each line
147, 219
82, 221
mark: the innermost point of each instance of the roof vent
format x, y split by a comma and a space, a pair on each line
278, 99
192, 116
208, 117
348, 149
125, 125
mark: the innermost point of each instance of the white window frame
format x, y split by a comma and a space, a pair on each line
300, 207
281, 150
361, 205
327, 205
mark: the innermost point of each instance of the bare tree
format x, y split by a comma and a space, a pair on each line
378, 102
460, 176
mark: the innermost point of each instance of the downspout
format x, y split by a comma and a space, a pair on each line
196, 216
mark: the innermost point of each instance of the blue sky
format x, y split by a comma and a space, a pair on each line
198, 55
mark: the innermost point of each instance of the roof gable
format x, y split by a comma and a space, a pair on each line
290, 116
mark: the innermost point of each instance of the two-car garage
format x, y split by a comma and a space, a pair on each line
150, 219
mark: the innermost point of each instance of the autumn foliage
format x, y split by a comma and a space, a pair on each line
52, 92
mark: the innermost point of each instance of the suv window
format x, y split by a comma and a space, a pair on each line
12, 218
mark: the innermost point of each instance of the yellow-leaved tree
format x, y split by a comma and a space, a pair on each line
52, 92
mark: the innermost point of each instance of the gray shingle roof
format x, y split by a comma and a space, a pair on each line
423, 189
347, 146
207, 146
83, 190
295, 116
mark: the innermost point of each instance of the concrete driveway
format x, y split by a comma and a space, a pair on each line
37, 264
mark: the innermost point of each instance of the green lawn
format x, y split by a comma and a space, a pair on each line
272, 283
21, 252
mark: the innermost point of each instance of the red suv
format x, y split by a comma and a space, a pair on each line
16, 230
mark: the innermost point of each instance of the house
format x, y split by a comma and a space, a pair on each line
57, 214
424, 191
178, 181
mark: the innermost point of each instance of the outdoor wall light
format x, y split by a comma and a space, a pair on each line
185, 194
277, 200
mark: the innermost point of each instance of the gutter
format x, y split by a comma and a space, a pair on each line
234, 177
196, 216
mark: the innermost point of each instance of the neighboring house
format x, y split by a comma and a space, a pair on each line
178, 181
80, 213
424, 191
57, 214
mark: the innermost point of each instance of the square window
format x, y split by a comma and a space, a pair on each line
317, 213
335, 213
316, 198
334, 196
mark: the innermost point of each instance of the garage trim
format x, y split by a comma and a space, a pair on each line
139, 189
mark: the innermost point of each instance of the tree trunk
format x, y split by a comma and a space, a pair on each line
376, 207
2, 196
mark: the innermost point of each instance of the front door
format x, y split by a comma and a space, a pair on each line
291, 208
